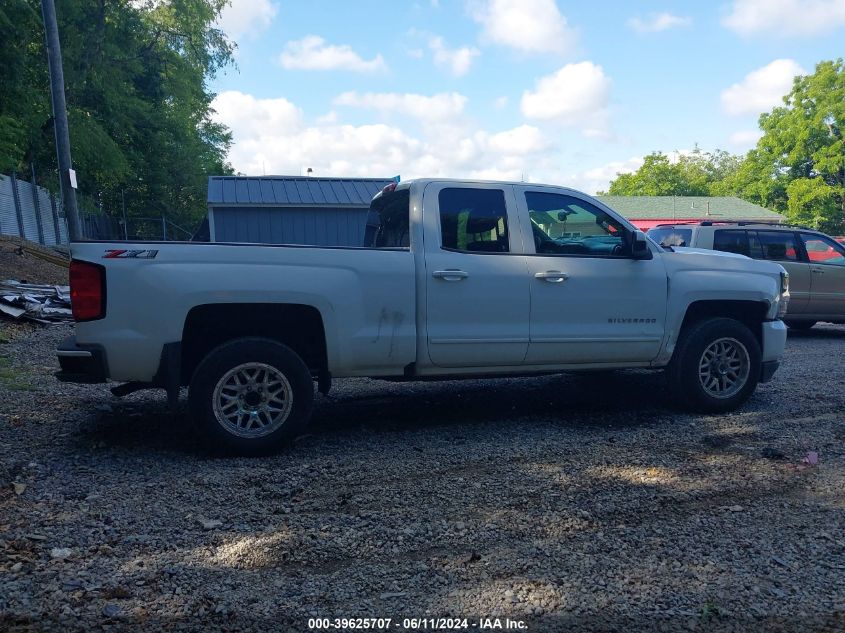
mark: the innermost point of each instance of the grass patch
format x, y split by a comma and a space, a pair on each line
709, 611
12, 379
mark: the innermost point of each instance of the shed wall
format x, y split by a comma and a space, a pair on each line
314, 226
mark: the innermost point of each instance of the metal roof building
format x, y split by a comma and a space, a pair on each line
646, 212
290, 209
333, 211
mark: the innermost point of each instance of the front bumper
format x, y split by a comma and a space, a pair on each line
774, 343
774, 340
81, 363
768, 369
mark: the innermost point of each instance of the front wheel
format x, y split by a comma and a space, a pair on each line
716, 365
250, 395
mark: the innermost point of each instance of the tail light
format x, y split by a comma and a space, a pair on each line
87, 291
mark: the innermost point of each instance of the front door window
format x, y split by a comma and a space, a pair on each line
565, 225
823, 250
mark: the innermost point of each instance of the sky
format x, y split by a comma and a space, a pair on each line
567, 93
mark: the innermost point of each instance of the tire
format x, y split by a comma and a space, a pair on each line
250, 396
799, 325
733, 351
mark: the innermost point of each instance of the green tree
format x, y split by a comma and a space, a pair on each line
798, 166
695, 174
138, 105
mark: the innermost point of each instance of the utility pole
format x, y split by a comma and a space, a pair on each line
67, 178
123, 206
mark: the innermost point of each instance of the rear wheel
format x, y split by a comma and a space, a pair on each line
250, 395
799, 325
716, 365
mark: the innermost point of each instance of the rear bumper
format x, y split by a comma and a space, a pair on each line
81, 363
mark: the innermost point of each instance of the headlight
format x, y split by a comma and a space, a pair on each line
783, 300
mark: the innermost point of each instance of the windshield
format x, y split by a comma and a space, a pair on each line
670, 236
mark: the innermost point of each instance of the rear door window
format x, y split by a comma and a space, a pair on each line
730, 241
779, 246
473, 220
754, 246
388, 223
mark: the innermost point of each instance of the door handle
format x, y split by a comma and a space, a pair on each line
817, 269
450, 275
552, 276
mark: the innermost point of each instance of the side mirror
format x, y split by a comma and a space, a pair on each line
639, 246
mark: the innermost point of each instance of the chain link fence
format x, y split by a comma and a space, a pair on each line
33, 213
30, 212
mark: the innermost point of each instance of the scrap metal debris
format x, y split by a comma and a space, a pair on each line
35, 302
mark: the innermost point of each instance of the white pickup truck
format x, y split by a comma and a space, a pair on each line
458, 279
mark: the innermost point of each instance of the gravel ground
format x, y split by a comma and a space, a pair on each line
565, 502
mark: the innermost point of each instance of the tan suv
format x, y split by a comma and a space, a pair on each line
815, 261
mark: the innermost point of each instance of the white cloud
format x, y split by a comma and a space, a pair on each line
531, 26
328, 117
577, 94
761, 89
785, 17
246, 18
598, 178
658, 22
314, 53
744, 139
457, 60
246, 116
270, 136
501, 102
525, 139
439, 107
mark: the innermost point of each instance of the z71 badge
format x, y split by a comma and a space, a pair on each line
130, 254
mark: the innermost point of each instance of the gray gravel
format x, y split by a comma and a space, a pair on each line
568, 502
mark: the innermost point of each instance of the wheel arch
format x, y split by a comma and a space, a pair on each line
298, 326
750, 313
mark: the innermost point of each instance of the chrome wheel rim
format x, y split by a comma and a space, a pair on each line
252, 400
724, 368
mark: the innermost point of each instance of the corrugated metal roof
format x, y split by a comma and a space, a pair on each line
293, 190
688, 208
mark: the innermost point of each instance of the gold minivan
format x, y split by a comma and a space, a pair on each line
815, 261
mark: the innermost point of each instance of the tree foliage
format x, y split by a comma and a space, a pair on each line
797, 167
138, 105
694, 174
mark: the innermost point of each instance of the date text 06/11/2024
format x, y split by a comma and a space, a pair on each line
416, 624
